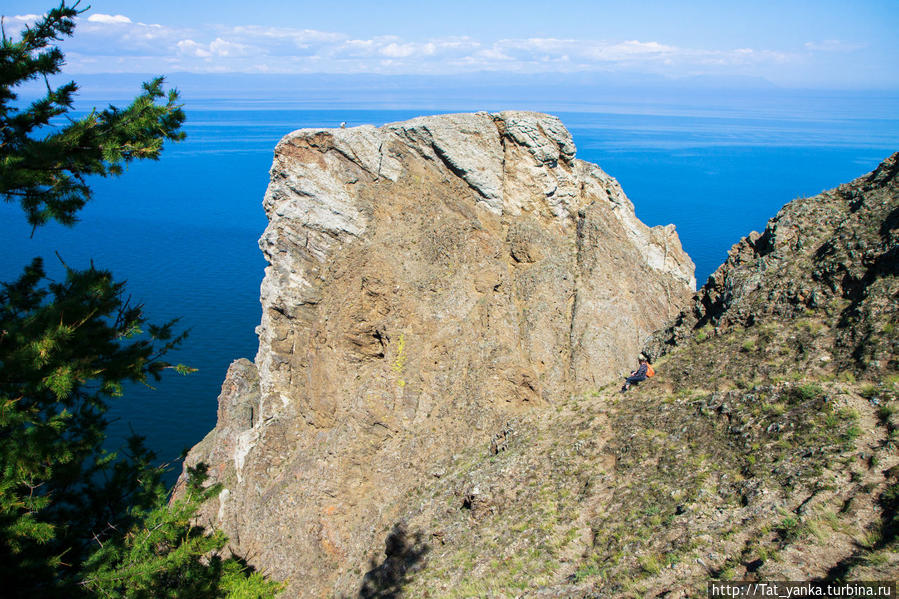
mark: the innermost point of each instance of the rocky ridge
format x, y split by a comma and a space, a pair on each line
828, 265
428, 281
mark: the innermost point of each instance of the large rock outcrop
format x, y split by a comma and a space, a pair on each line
763, 449
428, 280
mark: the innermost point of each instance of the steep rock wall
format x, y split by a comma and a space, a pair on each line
428, 280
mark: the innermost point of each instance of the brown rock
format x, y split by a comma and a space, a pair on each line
427, 280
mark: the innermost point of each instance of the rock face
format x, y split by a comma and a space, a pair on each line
428, 280
747, 456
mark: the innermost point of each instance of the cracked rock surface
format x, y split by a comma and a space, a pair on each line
427, 281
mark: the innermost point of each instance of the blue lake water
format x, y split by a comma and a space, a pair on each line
183, 231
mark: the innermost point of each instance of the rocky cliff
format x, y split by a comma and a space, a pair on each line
429, 282
765, 448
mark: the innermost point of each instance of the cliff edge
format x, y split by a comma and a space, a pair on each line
428, 281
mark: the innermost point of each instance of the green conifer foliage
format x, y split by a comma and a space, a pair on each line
76, 520
44, 167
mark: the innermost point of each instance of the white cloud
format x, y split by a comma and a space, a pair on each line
108, 19
636, 48
303, 36
833, 46
192, 48
22, 19
114, 42
216, 48
395, 50
491, 54
356, 48
221, 47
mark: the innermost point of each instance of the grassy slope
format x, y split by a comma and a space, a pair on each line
664, 488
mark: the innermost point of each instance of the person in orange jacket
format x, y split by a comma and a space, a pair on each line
638, 375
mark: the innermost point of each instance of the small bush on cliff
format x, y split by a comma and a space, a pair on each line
74, 519
805, 392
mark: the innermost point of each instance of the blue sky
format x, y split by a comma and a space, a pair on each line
824, 44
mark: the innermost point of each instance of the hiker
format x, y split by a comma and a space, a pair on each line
638, 375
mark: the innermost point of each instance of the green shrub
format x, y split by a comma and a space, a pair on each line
586, 571
789, 528
650, 564
846, 376
805, 392
868, 391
